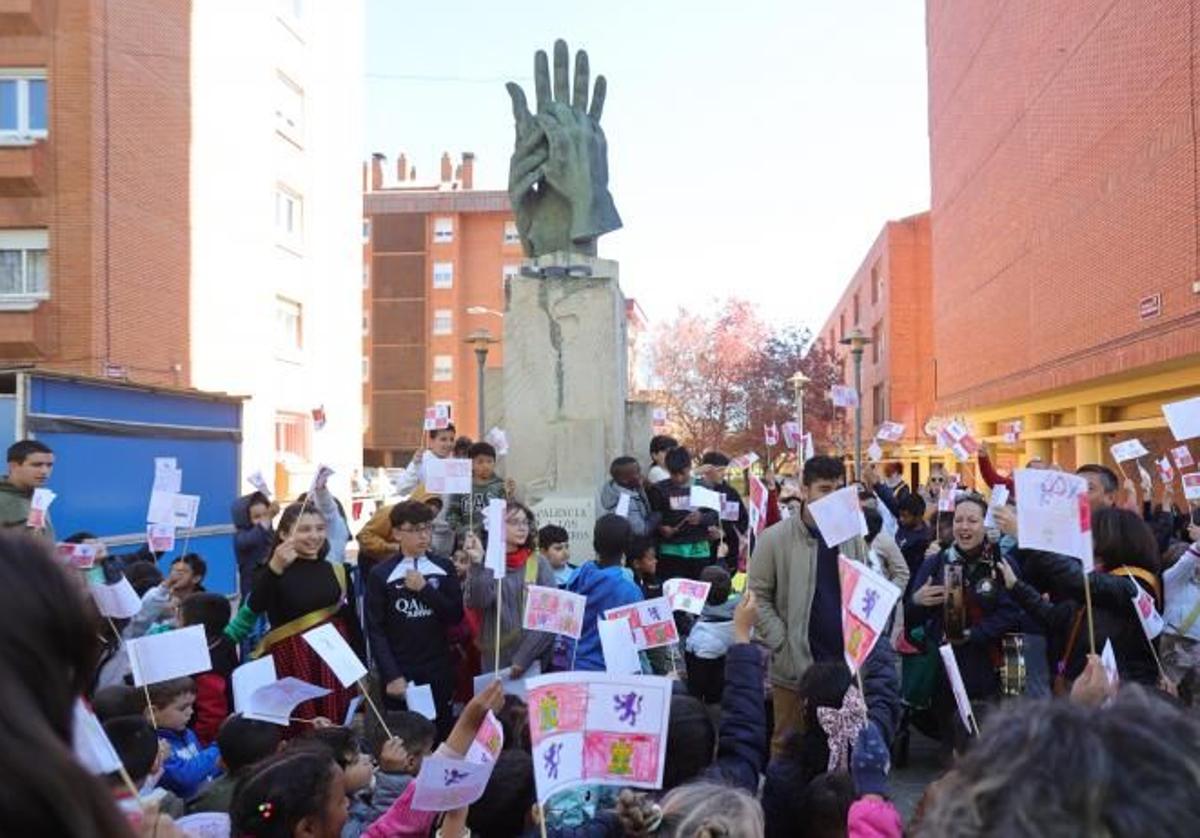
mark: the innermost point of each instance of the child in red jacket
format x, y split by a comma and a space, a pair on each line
214, 690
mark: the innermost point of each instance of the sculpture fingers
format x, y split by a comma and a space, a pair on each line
520, 107
598, 98
580, 102
541, 79
562, 60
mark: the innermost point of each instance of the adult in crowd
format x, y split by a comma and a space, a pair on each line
30, 464
960, 598
794, 576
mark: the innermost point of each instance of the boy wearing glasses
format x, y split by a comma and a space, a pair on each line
413, 600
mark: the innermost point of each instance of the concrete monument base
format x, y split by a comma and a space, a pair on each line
565, 386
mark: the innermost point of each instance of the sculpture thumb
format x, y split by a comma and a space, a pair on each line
520, 106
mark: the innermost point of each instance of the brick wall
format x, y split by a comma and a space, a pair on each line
1064, 191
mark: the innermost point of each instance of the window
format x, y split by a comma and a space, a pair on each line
841, 325
289, 109
22, 105
509, 272
876, 284
366, 324
289, 327
443, 230
855, 309
511, 236
443, 368
877, 342
443, 274
366, 277
24, 265
366, 230
366, 369
878, 404
443, 321
293, 435
289, 216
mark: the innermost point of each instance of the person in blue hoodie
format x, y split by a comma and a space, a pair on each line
606, 584
253, 535
189, 768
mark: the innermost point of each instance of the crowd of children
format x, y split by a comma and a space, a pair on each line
420, 615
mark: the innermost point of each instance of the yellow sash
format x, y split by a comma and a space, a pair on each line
305, 621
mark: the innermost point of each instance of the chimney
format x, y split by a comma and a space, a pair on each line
468, 170
446, 167
377, 161
401, 168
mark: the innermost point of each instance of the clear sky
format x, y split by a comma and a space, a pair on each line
755, 147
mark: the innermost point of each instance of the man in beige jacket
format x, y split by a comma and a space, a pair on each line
794, 575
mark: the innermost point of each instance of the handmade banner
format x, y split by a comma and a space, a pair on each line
444, 783
808, 447
1130, 449
839, 516
180, 511
1013, 434
328, 642
948, 496
623, 502
595, 728
758, 505
771, 435
731, 510
1053, 514
160, 538
998, 499
658, 417
79, 556
651, 623
39, 507
1148, 616
890, 432
1191, 485
743, 461
320, 478
554, 610
447, 477
169, 654
168, 477
489, 740
686, 594
437, 418
791, 435
91, 744
868, 599
1183, 457
843, 396
1166, 473
1109, 658
1183, 418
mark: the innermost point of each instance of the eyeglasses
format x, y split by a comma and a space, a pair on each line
419, 529
518, 522
937, 480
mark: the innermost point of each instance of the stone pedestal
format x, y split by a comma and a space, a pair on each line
565, 387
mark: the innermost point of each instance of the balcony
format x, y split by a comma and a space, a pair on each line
23, 170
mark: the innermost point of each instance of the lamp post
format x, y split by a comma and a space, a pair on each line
480, 339
857, 341
798, 381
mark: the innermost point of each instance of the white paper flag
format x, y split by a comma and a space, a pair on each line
950, 664
494, 520
419, 698
92, 746
119, 601
336, 652
1183, 418
1130, 449
616, 643
444, 783
839, 516
171, 654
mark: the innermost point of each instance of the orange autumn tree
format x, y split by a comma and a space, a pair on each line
723, 375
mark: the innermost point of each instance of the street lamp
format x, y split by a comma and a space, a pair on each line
857, 341
481, 339
798, 381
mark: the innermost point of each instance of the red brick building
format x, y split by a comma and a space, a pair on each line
94, 168
437, 257
1066, 233
888, 299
